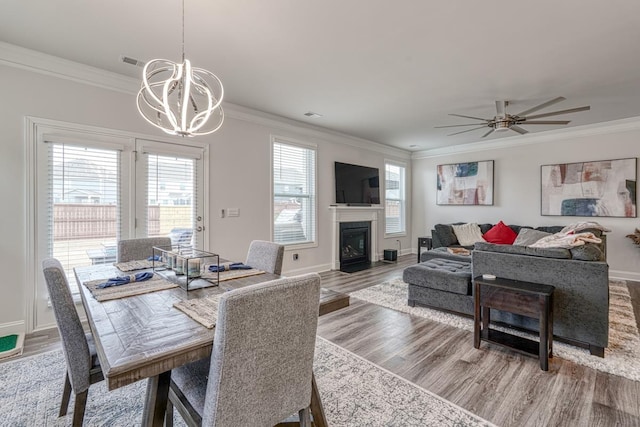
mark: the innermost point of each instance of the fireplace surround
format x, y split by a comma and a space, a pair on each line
354, 214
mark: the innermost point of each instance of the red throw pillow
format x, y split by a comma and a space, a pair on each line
500, 234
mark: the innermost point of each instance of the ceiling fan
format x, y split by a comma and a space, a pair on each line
504, 121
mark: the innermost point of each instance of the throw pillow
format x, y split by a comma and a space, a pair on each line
528, 236
445, 234
500, 234
468, 234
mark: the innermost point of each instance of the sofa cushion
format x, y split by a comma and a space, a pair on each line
553, 229
446, 235
468, 234
524, 250
442, 274
528, 236
500, 234
588, 252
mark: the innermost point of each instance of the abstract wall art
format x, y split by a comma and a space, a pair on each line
465, 183
601, 188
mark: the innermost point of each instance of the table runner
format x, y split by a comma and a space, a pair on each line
202, 310
137, 265
156, 283
231, 274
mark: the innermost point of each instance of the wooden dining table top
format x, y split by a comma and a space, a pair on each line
143, 336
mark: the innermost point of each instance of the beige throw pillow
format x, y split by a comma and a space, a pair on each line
468, 234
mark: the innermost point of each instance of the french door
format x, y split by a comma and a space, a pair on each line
92, 191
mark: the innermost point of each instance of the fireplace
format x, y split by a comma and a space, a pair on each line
355, 246
349, 215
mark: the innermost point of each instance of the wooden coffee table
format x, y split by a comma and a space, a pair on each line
525, 298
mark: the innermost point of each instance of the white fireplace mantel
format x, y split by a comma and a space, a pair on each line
340, 214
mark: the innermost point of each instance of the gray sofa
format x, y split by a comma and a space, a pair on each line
580, 276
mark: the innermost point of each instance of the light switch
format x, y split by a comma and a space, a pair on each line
233, 212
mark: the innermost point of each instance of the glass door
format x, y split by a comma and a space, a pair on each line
169, 193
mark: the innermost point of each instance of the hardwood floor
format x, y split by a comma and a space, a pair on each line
499, 385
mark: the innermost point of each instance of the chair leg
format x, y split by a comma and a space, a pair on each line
305, 420
168, 417
79, 407
66, 395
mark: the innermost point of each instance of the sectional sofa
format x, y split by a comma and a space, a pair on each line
580, 275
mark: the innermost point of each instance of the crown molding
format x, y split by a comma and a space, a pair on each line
38, 62
604, 128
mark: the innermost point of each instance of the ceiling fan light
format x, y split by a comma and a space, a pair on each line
501, 126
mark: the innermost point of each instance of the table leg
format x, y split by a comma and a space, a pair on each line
319, 419
155, 404
476, 317
544, 336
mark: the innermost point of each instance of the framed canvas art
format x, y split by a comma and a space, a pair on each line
600, 188
465, 183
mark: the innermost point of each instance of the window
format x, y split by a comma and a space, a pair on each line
395, 207
294, 193
81, 195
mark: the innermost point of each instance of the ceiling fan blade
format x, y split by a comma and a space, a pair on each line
555, 113
488, 133
469, 117
547, 122
453, 126
518, 129
541, 106
501, 108
468, 130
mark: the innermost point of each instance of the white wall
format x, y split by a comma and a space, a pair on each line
517, 183
239, 163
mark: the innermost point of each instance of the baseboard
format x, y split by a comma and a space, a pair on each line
624, 275
313, 269
12, 328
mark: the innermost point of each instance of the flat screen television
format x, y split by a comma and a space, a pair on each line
357, 185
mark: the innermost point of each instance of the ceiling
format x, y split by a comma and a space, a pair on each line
380, 70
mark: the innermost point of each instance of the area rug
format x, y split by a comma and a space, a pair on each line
622, 357
354, 392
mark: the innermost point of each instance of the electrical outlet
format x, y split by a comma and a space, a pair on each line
295, 257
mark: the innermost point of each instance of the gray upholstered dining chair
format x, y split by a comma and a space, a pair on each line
83, 368
137, 249
265, 256
262, 359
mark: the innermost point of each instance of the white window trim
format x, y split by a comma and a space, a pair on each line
302, 144
404, 166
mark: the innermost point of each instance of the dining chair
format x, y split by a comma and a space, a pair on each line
261, 364
265, 256
138, 249
83, 368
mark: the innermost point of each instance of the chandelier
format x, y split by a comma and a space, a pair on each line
180, 99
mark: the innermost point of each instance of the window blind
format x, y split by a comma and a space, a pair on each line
395, 211
294, 193
83, 208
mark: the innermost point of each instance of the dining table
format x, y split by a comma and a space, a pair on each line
144, 336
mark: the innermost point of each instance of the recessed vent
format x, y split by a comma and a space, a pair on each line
131, 61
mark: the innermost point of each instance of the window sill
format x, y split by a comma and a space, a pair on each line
296, 246
392, 235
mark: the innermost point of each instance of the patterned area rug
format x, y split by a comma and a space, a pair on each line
354, 391
622, 357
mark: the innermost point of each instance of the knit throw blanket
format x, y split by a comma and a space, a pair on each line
566, 240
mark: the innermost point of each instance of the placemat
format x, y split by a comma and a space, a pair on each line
156, 283
231, 274
137, 265
202, 310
